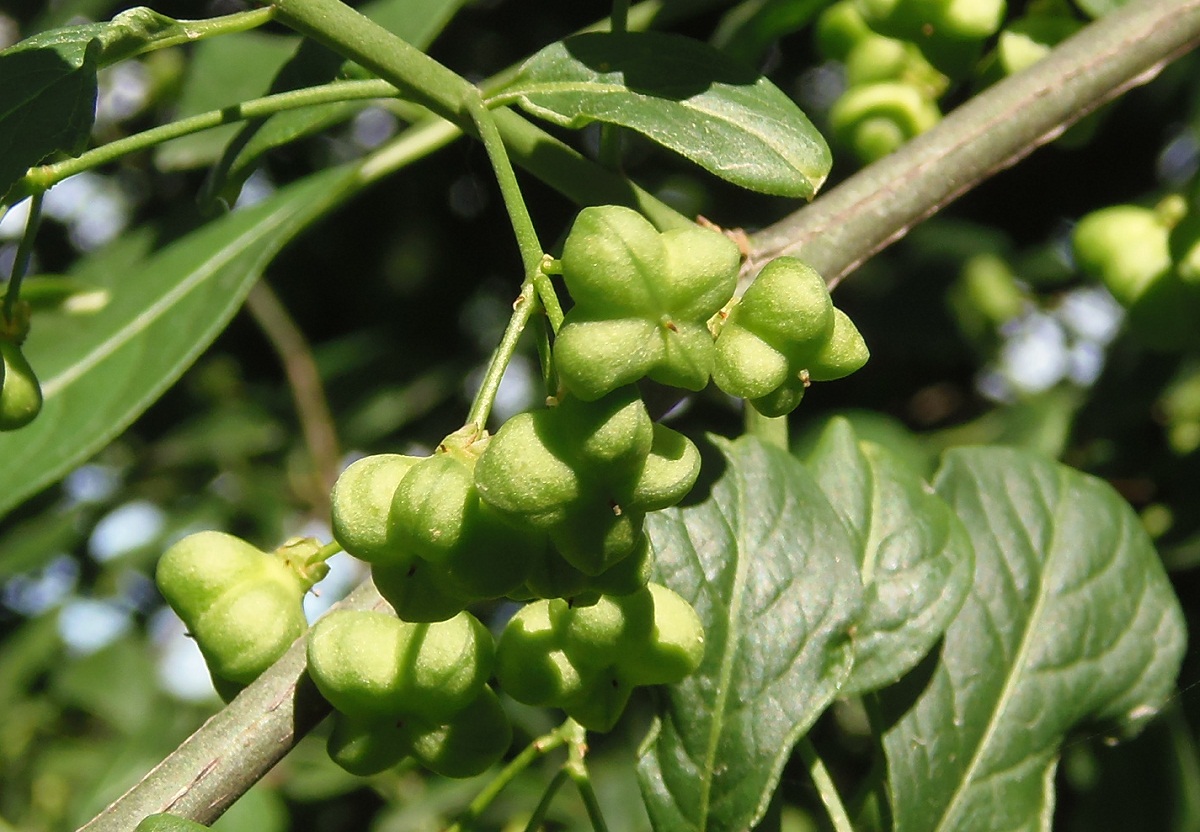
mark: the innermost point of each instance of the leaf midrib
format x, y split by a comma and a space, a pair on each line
150, 315
1018, 664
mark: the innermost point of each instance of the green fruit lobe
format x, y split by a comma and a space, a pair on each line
20, 392
361, 504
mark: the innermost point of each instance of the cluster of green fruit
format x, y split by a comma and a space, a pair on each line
1149, 259
586, 660
662, 306
401, 689
20, 393
901, 56
892, 89
551, 510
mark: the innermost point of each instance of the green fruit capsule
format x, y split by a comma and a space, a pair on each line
788, 305
668, 473
595, 356
844, 353
642, 300
875, 119
430, 509
452, 661
361, 504
606, 257
613, 433
1125, 246
531, 665
243, 606
420, 592
20, 392
747, 366
701, 274
370, 665
367, 746
675, 645
198, 569
599, 705
473, 741
782, 400
519, 476
839, 28
597, 534
251, 625
597, 636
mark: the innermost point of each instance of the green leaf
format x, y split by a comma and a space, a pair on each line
768, 566
47, 103
1071, 622
686, 96
102, 371
914, 554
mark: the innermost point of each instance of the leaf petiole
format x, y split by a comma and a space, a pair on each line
21, 262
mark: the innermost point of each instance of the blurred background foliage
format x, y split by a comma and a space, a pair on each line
981, 329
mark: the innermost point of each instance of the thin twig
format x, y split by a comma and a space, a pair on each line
312, 406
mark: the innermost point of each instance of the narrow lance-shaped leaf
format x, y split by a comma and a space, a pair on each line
686, 96
101, 372
769, 568
914, 554
1071, 621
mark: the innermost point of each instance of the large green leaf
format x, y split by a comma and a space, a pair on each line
683, 94
914, 554
1071, 621
102, 371
769, 567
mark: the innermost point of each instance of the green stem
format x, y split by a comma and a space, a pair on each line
770, 429
576, 768
536, 749
510, 189
327, 551
349, 33
825, 786
42, 178
24, 255
523, 309
543, 806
